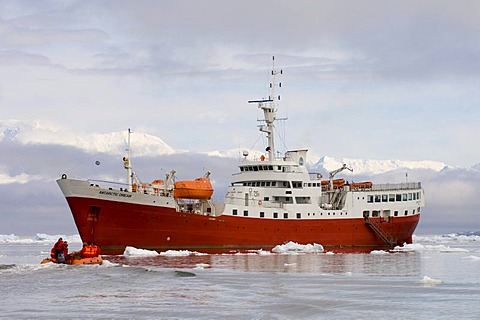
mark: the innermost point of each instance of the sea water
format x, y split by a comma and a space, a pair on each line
437, 277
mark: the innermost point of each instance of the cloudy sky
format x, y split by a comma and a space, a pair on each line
362, 80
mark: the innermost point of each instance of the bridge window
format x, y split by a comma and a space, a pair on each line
391, 198
398, 197
370, 199
410, 196
297, 184
404, 197
384, 198
377, 198
303, 200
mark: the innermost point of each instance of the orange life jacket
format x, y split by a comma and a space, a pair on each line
88, 251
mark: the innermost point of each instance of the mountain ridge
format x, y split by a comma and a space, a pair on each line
147, 145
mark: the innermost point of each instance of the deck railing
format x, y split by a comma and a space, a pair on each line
397, 186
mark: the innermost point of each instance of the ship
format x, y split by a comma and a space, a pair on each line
272, 199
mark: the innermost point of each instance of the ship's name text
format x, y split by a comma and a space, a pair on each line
115, 194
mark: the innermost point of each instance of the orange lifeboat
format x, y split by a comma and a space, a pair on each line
200, 188
337, 183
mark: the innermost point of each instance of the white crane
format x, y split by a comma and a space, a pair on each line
334, 172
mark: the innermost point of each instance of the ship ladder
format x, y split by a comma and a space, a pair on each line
380, 231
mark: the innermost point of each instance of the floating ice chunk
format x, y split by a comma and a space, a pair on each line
379, 252
8, 238
134, 252
106, 263
202, 266
409, 247
293, 247
448, 249
420, 248
39, 238
177, 253
430, 282
473, 258
448, 238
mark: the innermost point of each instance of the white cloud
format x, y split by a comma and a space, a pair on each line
372, 80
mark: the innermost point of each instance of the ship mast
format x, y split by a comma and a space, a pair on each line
127, 165
269, 111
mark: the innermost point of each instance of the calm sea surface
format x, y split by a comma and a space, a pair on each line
438, 277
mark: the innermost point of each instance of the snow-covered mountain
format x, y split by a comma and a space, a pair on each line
144, 145
371, 167
34, 132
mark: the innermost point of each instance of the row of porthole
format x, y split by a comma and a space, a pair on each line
285, 215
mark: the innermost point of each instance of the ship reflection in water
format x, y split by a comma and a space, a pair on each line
401, 264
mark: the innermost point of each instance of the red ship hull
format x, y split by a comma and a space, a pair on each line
119, 224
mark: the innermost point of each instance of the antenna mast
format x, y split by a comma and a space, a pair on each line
127, 165
269, 111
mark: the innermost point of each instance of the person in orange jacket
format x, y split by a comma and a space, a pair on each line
65, 248
57, 248
84, 251
87, 250
96, 250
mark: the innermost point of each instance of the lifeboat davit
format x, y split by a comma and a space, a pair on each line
200, 188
